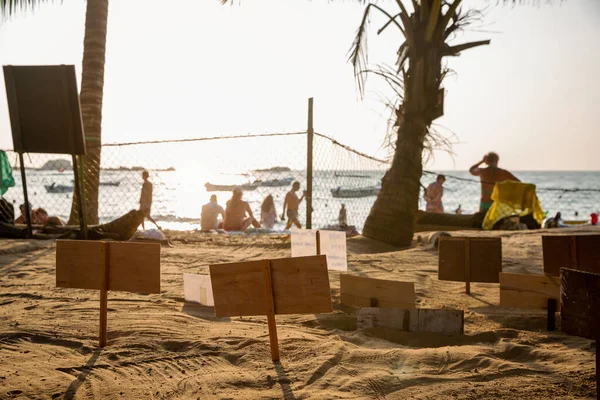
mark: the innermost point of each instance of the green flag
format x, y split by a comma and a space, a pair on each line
6, 176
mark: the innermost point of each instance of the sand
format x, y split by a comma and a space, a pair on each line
161, 348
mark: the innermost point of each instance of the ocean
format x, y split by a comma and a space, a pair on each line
179, 195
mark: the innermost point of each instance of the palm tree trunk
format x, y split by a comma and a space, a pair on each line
92, 84
392, 217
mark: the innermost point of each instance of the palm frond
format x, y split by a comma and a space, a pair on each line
9, 8
358, 54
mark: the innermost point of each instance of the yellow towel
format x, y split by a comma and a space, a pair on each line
513, 198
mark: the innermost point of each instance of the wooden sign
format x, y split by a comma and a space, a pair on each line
580, 308
272, 287
198, 289
360, 291
539, 292
446, 322
43, 105
104, 266
308, 242
578, 252
464, 259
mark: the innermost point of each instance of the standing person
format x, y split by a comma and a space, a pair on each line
343, 216
268, 214
146, 196
433, 195
488, 177
22, 219
292, 202
209, 219
235, 213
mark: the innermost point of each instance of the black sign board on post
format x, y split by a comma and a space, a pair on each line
45, 117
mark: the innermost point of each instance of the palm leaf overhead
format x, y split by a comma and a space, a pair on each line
10, 7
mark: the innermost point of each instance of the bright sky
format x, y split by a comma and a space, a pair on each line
196, 68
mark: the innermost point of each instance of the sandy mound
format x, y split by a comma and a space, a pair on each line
160, 348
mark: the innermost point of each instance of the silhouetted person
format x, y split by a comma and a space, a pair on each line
235, 213
268, 214
209, 219
292, 203
146, 196
488, 177
433, 195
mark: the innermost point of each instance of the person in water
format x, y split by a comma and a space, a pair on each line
209, 218
292, 203
488, 177
235, 213
433, 195
268, 214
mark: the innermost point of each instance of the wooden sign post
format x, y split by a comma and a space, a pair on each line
539, 292
104, 266
360, 291
272, 287
579, 309
578, 252
465, 259
309, 242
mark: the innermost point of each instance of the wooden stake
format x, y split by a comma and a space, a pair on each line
468, 266
597, 368
318, 243
574, 252
270, 303
104, 295
551, 314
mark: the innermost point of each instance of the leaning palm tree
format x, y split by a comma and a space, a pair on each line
92, 84
416, 78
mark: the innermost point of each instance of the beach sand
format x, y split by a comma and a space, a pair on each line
160, 348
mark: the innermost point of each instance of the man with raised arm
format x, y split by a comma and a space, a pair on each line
488, 177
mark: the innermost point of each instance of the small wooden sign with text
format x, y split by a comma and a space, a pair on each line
309, 242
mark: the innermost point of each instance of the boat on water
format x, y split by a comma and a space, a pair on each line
228, 188
344, 193
275, 182
110, 183
54, 188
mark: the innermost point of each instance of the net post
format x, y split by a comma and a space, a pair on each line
309, 164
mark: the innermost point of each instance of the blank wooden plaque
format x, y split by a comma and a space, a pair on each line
133, 267
300, 286
358, 291
528, 291
44, 109
485, 259
580, 303
578, 252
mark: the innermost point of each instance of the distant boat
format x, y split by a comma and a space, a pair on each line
340, 175
108, 183
228, 188
54, 188
275, 182
341, 192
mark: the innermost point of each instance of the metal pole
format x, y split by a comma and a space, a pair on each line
27, 209
79, 192
309, 165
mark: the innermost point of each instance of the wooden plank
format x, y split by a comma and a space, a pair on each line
451, 264
270, 311
485, 262
588, 253
486, 259
358, 291
446, 322
468, 266
133, 267
238, 289
300, 286
528, 291
79, 264
556, 252
580, 303
104, 296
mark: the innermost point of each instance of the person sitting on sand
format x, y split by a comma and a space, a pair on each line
433, 195
268, 214
22, 219
235, 213
146, 196
343, 216
292, 203
210, 214
488, 177
40, 216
